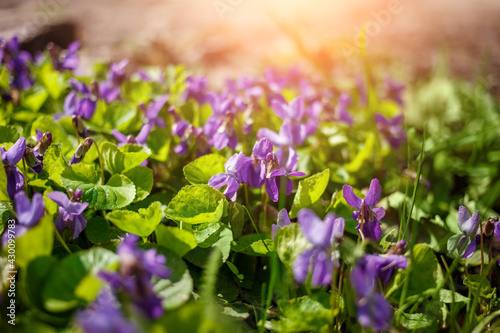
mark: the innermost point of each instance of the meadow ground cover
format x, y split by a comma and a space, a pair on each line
287, 202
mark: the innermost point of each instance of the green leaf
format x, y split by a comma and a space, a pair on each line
54, 163
178, 240
203, 168
142, 224
310, 191
199, 255
4, 78
142, 177
52, 80
4, 196
304, 314
235, 218
99, 231
35, 99
10, 133
118, 192
36, 277
177, 289
47, 124
196, 204
363, 156
473, 281
206, 234
118, 161
253, 244
159, 143
36, 242
290, 242
119, 116
446, 296
413, 321
73, 280
453, 242
423, 273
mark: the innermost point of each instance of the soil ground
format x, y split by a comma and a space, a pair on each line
225, 37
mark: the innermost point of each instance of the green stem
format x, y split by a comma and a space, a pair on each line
100, 161
333, 298
76, 132
482, 248
25, 177
9, 208
61, 240
256, 230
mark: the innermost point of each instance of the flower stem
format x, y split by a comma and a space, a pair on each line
100, 161
256, 230
61, 240
9, 208
333, 298
25, 177
482, 247
76, 132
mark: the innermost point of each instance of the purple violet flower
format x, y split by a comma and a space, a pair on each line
391, 129
280, 166
33, 160
196, 89
109, 90
137, 267
367, 215
80, 127
104, 315
139, 139
81, 150
17, 62
283, 221
219, 128
154, 109
28, 213
44, 141
466, 241
395, 90
322, 258
254, 168
10, 157
374, 311
83, 106
66, 60
384, 265
187, 133
341, 112
232, 178
70, 211
291, 134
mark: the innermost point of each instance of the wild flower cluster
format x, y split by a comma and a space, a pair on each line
131, 188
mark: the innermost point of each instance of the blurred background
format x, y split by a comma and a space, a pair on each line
225, 37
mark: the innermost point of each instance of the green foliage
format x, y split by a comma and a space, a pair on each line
197, 204
178, 240
424, 273
118, 192
123, 159
142, 223
203, 168
73, 280
37, 242
310, 191
143, 180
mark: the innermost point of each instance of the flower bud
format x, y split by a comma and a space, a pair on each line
80, 151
